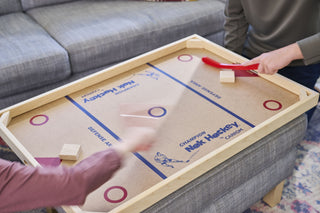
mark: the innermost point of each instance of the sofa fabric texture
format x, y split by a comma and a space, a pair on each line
9, 6
47, 42
111, 31
29, 57
260, 185
29, 4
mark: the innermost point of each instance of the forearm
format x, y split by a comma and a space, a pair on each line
23, 187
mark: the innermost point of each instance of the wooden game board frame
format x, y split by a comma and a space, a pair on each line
308, 99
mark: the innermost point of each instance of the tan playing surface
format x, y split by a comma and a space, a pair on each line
198, 114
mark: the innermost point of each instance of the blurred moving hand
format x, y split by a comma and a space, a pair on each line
136, 139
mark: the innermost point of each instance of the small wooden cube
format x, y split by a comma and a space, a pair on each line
227, 77
70, 152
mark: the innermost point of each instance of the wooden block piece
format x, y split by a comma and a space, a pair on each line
68, 163
227, 77
70, 152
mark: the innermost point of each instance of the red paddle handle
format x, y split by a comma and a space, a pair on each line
216, 64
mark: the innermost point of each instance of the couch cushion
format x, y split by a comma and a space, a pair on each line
9, 6
28, 4
29, 57
96, 33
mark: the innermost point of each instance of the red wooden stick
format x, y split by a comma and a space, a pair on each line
216, 64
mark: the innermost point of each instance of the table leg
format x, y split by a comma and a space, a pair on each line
274, 196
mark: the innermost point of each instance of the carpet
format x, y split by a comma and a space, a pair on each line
301, 193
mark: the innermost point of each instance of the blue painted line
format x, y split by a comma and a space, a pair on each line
93, 118
203, 96
115, 136
150, 165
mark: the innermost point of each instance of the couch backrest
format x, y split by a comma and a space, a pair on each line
9, 6
29, 4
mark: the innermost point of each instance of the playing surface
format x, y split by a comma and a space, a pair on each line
194, 114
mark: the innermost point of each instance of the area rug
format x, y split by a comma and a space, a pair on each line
301, 193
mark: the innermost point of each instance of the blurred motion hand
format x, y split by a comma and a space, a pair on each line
136, 139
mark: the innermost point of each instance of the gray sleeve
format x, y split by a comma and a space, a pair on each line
235, 26
310, 48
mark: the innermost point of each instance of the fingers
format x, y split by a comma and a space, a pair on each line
266, 65
139, 138
250, 62
136, 139
267, 69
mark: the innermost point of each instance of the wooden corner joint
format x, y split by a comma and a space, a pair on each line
195, 43
5, 118
303, 94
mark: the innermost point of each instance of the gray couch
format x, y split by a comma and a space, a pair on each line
47, 43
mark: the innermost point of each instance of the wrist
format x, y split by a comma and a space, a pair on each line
295, 51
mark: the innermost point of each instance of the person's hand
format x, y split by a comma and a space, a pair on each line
271, 62
136, 139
